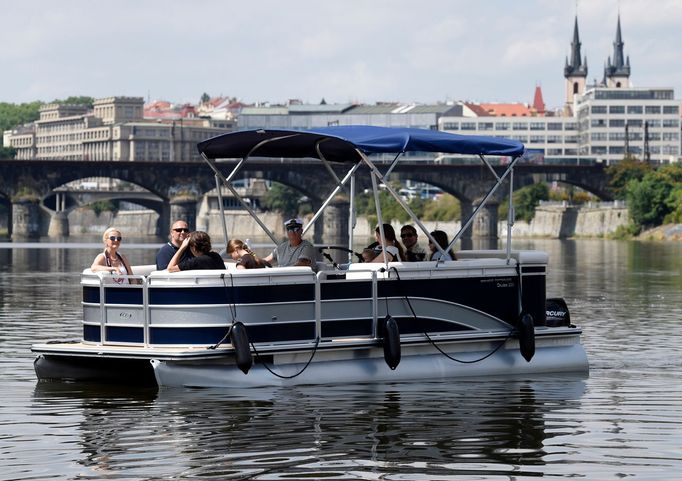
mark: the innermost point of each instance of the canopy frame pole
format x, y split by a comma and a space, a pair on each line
492, 190
380, 219
248, 208
393, 164
399, 199
352, 219
331, 196
490, 167
222, 209
325, 162
510, 215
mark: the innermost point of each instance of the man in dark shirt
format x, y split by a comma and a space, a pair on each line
204, 258
178, 233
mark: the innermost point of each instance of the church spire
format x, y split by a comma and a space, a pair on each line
575, 68
617, 69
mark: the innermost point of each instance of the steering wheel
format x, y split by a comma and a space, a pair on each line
338, 248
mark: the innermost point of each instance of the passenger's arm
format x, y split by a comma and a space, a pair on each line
173, 264
99, 265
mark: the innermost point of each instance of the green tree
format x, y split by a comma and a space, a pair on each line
77, 100
205, 98
12, 115
623, 172
445, 208
283, 199
654, 197
526, 199
674, 203
7, 152
103, 206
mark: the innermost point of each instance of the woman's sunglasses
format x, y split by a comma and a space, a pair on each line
113, 238
181, 230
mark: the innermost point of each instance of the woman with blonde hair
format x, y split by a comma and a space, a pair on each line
111, 260
244, 256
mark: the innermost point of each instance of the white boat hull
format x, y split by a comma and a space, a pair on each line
553, 355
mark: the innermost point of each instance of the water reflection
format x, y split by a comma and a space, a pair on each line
325, 431
626, 296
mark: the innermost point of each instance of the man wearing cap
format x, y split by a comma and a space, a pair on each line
294, 251
178, 233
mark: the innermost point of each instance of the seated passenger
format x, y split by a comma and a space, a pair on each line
178, 233
111, 260
368, 254
204, 258
245, 258
413, 251
394, 251
442, 239
294, 251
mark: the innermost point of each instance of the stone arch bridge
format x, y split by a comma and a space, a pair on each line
31, 187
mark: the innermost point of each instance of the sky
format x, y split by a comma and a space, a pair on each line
344, 51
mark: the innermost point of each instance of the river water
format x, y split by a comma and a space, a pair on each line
624, 421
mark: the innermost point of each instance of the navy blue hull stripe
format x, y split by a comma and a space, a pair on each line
297, 331
497, 297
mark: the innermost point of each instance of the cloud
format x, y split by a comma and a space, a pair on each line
351, 49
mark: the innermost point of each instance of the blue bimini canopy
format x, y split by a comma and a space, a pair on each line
339, 144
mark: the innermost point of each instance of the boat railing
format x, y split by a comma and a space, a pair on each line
134, 313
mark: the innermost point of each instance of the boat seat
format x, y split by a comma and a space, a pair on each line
364, 270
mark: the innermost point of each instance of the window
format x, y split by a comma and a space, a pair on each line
537, 139
502, 126
598, 149
617, 123
617, 136
485, 126
598, 109
451, 126
520, 126
554, 126
468, 125
671, 123
670, 136
554, 139
617, 149
617, 109
537, 126
635, 109
598, 136
652, 109
598, 123
634, 122
671, 109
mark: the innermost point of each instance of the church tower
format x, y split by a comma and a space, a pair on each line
617, 71
575, 71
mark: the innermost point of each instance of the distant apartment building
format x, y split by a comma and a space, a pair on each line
115, 129
308, 116
602, 122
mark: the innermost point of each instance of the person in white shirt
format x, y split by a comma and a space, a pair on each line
394, 251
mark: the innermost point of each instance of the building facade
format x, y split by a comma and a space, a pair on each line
599, 123
115, 129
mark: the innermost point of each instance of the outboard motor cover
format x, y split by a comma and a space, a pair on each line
557, 314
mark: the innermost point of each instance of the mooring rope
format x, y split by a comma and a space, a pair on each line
433, 343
